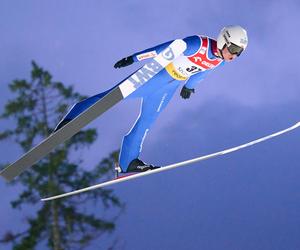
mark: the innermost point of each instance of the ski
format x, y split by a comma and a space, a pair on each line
176, 165
139, 78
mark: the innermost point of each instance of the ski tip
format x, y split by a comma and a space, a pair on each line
297, 124
54, 197
45, 199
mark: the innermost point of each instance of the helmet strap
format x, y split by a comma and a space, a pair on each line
221, 51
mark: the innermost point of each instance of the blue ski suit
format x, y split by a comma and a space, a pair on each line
200, 57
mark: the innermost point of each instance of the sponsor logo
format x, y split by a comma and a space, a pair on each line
207, 64
145, 73
150, 69
197, 58
193, 69
226, 40
146, 55
181, 71
243, 41
168, 54
142, 167
161, 102
176, 73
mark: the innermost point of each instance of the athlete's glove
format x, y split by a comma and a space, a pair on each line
186, 92
124, 62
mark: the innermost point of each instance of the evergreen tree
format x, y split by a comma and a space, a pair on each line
38, 106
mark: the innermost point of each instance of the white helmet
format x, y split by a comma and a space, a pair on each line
234, 37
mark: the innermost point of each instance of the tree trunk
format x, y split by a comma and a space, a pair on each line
54, 207
55, 227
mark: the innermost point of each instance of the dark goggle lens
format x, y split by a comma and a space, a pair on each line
234, 49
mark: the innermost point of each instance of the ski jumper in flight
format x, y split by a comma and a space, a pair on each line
203, 54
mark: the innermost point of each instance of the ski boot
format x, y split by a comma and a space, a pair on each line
137, 165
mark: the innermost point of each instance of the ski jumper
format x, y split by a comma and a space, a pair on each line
200, 57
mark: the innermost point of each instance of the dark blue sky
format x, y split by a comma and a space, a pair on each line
246, 200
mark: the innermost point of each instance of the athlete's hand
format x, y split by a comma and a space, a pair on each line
186, 92
124, 62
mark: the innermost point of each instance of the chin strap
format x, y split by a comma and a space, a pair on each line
221, 53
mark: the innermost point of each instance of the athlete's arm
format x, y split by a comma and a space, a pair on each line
195, 79
192, 42
142, 55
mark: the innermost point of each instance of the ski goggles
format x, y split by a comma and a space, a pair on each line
234, 49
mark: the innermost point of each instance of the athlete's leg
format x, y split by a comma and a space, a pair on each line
151, 107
